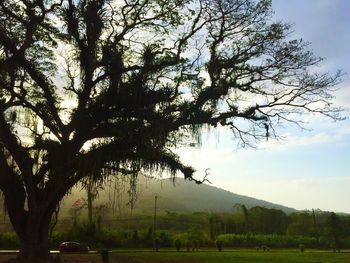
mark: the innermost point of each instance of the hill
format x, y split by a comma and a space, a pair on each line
177, 196
185, 196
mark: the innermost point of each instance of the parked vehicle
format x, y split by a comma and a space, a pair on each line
73, 247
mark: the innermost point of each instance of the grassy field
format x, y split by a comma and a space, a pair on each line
234, 256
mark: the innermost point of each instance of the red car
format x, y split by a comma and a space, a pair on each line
73, 247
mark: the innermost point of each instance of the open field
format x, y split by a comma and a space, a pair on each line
228, 256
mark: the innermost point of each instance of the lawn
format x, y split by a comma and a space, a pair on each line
234, 256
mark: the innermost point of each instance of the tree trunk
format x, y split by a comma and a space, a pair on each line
32, 229
34, 250
35, 245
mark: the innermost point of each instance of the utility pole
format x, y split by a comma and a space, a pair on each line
155, 222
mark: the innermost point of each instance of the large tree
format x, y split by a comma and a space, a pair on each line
92, 87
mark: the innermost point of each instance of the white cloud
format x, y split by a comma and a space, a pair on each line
343, 94
330, 133
325, 193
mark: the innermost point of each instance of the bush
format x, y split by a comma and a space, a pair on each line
278, 241
57, 238
265, 248
88, 234
146, 236
219, 244
9, 240
112, 238
177, 244
198, 235
188, 245
195, 244
165, 239
157, 243
345, 242
135, 239
193, 239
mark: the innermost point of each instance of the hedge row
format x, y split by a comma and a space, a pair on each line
277, 241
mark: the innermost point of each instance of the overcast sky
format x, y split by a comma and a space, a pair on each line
309, 169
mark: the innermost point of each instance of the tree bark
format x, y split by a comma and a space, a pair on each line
32, 229
34, 238
34, 250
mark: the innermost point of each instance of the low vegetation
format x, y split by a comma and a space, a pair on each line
258, 228
208, 256
234, 256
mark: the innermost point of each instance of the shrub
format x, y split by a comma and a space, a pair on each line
9, 240
188, 245
345, 241
111, 239
195, 244
219, 244
165, 239
199, 235
57, 238
157, 243
135, 239
177, 244
265, 248
146, 236
278, 241
88, 234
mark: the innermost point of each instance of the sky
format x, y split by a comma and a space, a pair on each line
307, 169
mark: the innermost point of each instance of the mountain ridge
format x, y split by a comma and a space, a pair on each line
177, 195
180, 195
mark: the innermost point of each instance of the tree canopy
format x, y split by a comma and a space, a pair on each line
93, 87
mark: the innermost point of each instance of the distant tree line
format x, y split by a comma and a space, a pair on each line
327, 228
251, 227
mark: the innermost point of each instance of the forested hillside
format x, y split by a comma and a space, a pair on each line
176, 196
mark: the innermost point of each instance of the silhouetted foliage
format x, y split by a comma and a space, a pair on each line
334, 231
157, 243
124, 234
219, 245
267, 221
177, 244
301, 224
95, 87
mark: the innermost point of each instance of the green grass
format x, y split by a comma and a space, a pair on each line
206, 256
234, 256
